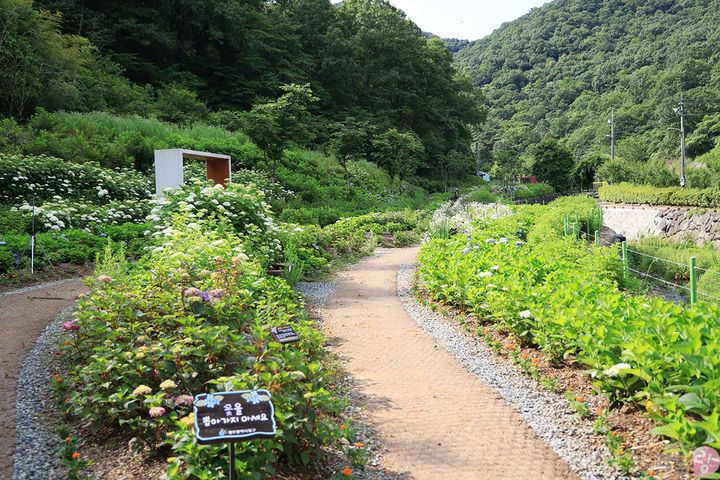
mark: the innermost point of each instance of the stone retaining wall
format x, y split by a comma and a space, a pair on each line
674, 223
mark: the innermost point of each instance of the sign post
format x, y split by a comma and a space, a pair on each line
229, 417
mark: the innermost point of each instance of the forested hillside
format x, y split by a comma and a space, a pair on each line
557, 73
367, 69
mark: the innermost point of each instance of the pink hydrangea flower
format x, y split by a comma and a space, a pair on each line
186, 400
104, 278
157, 411
193, 292
71, 326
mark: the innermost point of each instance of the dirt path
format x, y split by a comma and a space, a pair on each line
22, 317
436, 419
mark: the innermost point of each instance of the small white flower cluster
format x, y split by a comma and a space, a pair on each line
47, 176
458, 216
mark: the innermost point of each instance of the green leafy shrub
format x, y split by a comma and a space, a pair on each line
74, 246
483, 195
557, 293
643, 194
243, 207
149, 340
532, 190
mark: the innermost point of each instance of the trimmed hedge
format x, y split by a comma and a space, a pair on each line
676, 196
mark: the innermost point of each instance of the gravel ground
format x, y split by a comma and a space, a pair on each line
548, 414
36, 439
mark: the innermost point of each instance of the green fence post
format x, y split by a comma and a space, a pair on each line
693, 282
576, 230
626, 269
597, 238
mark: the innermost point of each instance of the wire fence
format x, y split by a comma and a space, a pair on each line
572, 227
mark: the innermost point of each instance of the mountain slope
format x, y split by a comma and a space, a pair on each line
558, 71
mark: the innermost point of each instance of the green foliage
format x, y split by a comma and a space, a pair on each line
363, 58
163, 342
346, 238
675, 263
652, 173
643, 194
398, 153
122, 141
558, 71
112, 261
556, 292
273, 125
179, 105
584, 171
482, 195
531, 190
552, 163
73, 246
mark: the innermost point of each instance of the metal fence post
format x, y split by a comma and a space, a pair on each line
693, 282
626, 269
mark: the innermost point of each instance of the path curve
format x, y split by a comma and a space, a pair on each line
435, 419
23, 316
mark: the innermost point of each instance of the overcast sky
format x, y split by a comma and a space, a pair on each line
464, 19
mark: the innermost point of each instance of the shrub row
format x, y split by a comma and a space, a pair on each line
49, 177
676, 196
555, 292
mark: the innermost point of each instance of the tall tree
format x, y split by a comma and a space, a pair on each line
275, 124
552, 163
348, 141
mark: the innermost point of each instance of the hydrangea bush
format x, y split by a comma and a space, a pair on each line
243, 207
59, 214
193, 317
47, 177
568, 298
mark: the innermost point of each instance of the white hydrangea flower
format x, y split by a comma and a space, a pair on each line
617, 369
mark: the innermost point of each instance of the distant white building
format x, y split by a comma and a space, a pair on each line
485, 176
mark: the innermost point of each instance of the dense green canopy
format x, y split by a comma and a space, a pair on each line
558, 72
362, 59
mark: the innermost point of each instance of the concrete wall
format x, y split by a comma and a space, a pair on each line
674, 223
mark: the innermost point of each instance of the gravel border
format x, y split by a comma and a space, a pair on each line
35, 437
548, 414
39, 286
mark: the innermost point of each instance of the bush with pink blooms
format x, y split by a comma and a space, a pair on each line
193, 317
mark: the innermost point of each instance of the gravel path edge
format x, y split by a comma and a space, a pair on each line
36, 440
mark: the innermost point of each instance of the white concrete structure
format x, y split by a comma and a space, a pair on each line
169, 167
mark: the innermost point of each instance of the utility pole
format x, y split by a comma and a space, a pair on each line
680, 110
612, 135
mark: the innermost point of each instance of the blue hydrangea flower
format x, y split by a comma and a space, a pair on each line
519, 243
503, 240
254, 398
490, 240
466, 250
211, 401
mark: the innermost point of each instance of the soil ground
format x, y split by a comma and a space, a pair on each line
22, 317
435, 419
